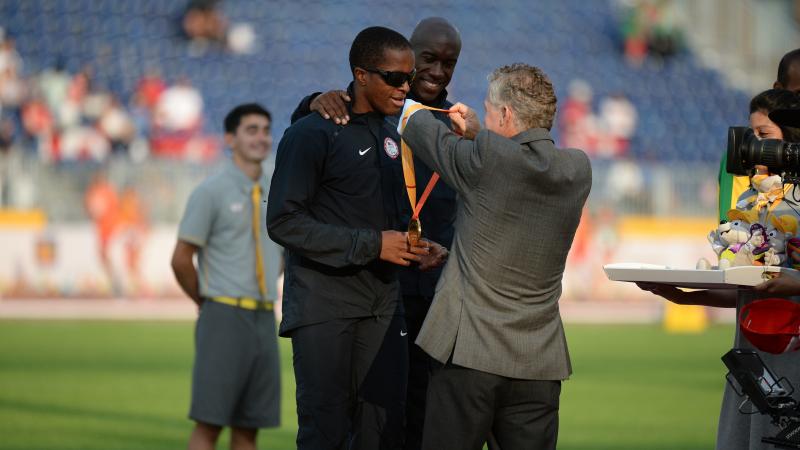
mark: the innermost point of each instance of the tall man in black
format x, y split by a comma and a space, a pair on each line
437, 45
342, 305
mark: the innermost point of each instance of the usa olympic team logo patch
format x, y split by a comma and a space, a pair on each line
390, 147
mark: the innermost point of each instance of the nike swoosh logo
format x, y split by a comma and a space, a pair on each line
403, 333
364, 152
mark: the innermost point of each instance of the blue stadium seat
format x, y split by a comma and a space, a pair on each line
302, 47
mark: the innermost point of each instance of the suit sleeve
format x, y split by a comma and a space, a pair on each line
304, 108
457, 160
299, 172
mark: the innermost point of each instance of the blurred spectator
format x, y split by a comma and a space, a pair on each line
132, 230
796, 9
204, 25
6, 136
576, 121
83, 143
177, 125
63, 116
12, 86
53, 84
666, 37
634, 35
179, 109
94, 103
242, 38
625, 184
70, 111
149, 89
38, 124
144, 100
6, 142
649, 27
79, 85
117, 125
618, 117
603, 135
103, 206
10, 60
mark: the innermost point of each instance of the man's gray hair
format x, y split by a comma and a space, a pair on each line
527, 91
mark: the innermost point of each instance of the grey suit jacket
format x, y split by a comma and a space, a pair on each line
520, 201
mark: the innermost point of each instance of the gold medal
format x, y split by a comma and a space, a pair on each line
414, 231
409, 177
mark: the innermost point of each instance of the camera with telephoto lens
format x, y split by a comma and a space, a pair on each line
745, 151
767, 393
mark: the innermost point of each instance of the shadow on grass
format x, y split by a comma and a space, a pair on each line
98, 414
644, 445
106, 428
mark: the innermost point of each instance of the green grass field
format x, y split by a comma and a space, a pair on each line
125, 385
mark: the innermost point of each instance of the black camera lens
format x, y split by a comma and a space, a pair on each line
746, 151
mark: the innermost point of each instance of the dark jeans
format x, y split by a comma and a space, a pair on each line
351, 383
466, 406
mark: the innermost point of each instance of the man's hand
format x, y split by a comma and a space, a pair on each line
719, 298
782, 286
332, 104
465, 120
667, 291
396, 250
436, 257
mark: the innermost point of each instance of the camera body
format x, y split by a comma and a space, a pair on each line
770, 395
745, 151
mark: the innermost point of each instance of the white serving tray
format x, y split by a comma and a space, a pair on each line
732, 278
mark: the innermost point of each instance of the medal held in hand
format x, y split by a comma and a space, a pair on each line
414, 231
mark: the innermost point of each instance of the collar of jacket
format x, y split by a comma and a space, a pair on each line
353, 115
531, 135
244, 182
438, 102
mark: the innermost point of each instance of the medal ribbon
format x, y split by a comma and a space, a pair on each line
407, 159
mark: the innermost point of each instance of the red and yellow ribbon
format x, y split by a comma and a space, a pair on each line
407, 159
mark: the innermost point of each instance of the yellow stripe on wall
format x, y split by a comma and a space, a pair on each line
22, 218
665, 226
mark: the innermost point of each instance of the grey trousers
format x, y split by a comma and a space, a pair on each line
466, 406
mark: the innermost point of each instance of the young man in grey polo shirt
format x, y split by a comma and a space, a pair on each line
236, 377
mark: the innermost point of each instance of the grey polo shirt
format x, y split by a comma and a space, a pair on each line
218, 219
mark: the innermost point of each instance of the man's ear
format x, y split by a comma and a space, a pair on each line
506, 115
360, 76
228, 139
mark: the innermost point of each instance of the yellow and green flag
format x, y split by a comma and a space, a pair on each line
731, 188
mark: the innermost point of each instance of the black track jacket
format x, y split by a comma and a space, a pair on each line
327, 208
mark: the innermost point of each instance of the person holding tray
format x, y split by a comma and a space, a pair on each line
737, 431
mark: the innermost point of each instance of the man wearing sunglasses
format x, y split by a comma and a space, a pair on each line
341, 305
437, 45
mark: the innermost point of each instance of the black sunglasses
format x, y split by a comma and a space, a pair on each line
395, 79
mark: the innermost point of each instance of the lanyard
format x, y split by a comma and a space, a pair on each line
409, 174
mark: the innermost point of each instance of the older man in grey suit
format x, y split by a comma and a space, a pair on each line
494, 323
